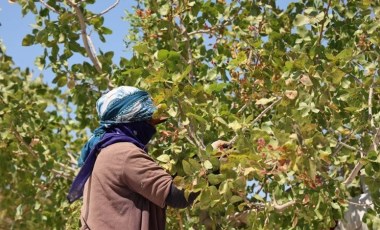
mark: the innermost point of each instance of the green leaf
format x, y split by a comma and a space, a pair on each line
207, 164
162, 55
235, 125
28, 40
335, 206
197, 117
345, 54
164, 158
187, 167
215, 179
235, 199
301, 20
164, 10
240, 59
264, 101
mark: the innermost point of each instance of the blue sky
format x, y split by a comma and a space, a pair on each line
14, 27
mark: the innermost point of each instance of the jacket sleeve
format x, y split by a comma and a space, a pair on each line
176, 198
144, 176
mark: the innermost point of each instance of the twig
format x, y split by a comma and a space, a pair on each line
349, 146
340, 144
61, 174
49, 6
249, 57
86, 39
180, 222
65, 166
266, 110
353, 174
72, 158
21, 140
242, 109
282, 207
323, 22
193, 137
215, 28
189, 51
359, 165
358, 204
203, 31
232, 141
370, 113
106, 10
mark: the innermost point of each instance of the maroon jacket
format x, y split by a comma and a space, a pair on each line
127, 190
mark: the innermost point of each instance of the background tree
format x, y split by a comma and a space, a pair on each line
292, 92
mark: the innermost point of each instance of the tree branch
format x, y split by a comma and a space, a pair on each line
107, 10
353, 174
193, 137
86, 39
323, 22
282, 207
21, 141
375, 139
189, 59
48, 6
232, 141
266, 110
370, 114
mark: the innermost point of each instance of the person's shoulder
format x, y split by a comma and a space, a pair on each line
123, 147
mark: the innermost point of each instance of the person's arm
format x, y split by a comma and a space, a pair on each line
144, 176
176, 198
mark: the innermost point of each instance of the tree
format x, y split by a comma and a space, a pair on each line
291, 92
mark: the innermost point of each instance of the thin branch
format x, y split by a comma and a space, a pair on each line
266, 110
49, 6
375, 139
342, 143
349, 147
353, 174
193, 137
180, 222
323, 22
217, 27
203, 31
232, 141
358, 204
107, 10
282, 207
189, 51
61, 174
242, 109
72, 158
21, 141
86, 39
370, 113
65, 166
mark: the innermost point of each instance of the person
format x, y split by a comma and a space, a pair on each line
121, 185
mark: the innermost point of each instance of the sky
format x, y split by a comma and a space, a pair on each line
14, 27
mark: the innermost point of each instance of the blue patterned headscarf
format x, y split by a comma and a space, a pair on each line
123, 113
124, 104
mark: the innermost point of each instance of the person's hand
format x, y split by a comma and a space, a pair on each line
221, 145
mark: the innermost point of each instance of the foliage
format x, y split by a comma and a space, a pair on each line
293, 92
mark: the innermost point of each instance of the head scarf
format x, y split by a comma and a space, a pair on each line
124, 104
123, 113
